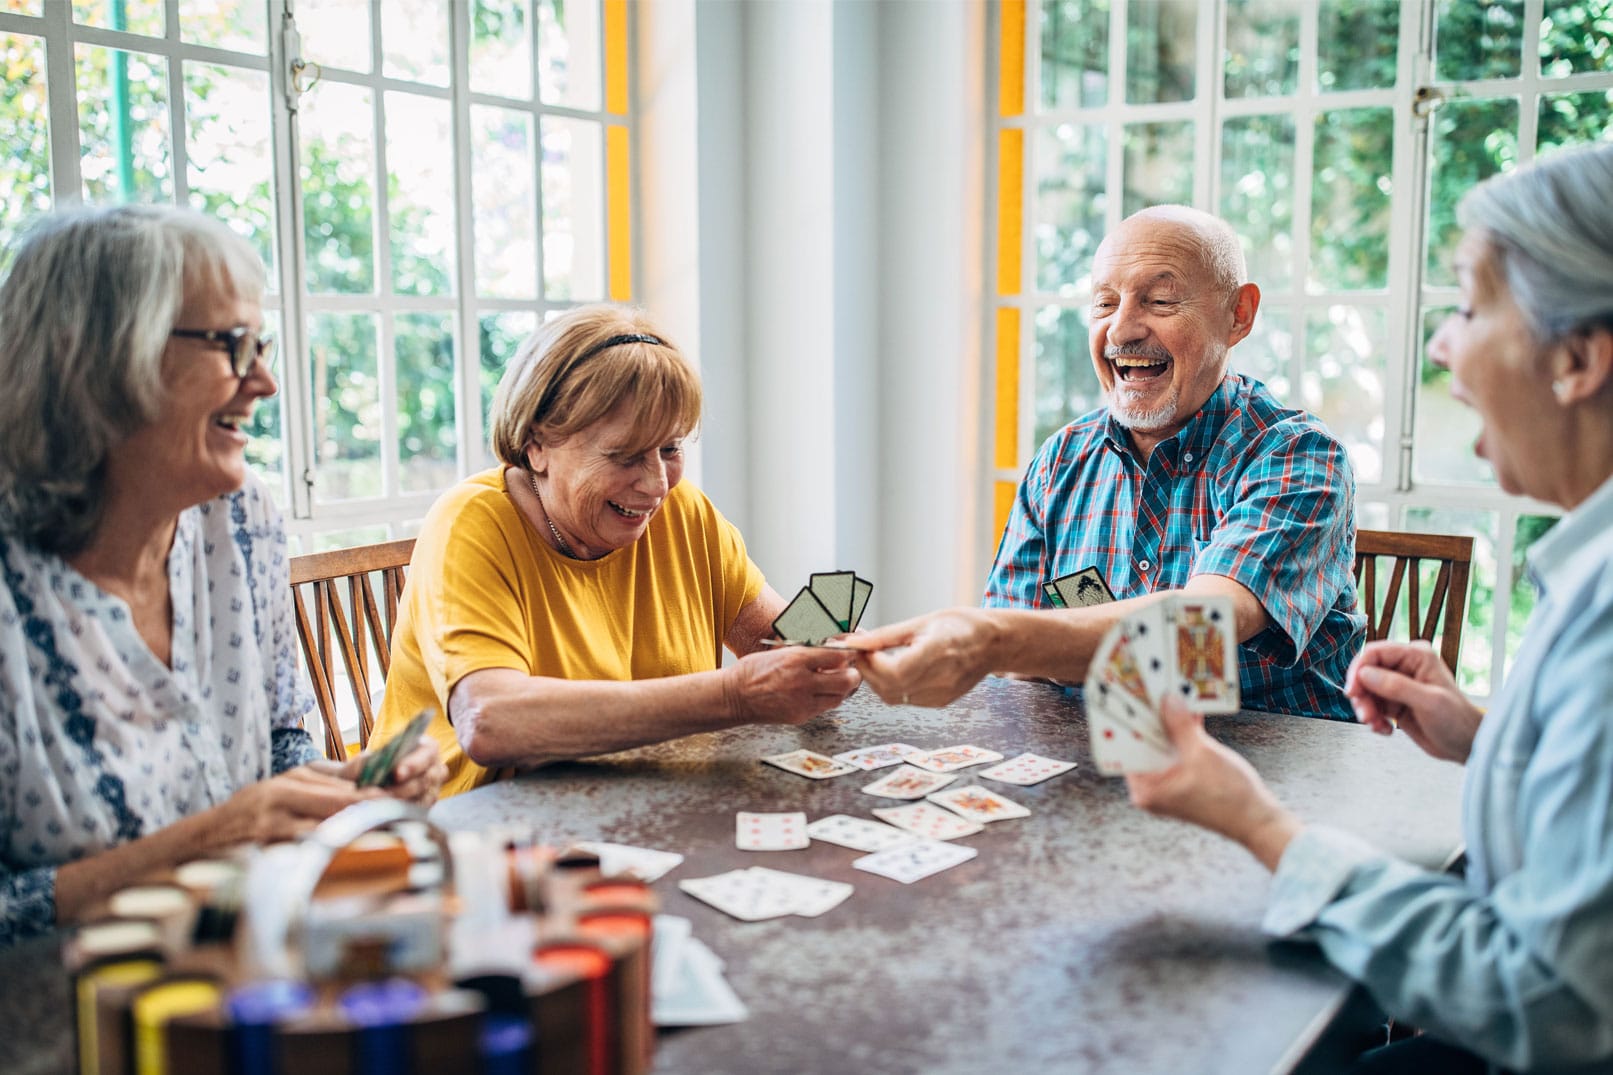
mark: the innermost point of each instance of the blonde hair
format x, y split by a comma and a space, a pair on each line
568, 375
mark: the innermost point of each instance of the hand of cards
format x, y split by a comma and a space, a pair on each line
1184, 645
376, 772
831, 605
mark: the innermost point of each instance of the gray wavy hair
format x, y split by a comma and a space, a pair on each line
85, 313
1550, 226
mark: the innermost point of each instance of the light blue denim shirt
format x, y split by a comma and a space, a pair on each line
1516, 961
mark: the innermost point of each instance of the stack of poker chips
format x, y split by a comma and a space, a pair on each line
163, 979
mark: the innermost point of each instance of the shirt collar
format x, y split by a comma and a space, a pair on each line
1197, 436
1580, 538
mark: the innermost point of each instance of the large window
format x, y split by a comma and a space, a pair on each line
425, 179
1336, 136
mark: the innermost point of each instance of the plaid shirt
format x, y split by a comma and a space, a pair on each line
1248, 490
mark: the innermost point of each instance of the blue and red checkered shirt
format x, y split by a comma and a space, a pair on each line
1247, 489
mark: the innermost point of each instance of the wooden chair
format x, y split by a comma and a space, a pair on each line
1406, 553
354, 620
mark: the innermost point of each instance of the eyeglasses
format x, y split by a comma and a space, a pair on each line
242, 344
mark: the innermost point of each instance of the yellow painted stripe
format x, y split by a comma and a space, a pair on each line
1010, 210
1011, 68
1007, 416
618, 214
616, 56
1003, 497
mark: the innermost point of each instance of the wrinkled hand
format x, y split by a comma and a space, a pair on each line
1214, 787
945, 654
790, 685
286, 806
1406, 685
418, 776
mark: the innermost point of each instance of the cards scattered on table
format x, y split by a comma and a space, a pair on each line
1186, 646
928, 820
857, 833
647, 864
915, 861
1027, 769
978, 804
758, 893
770, 832
687, 987
809, 764
907, 782
878, 757
948, 759
1082, 589
831, 604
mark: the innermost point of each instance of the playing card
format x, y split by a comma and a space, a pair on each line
1083, 589
835, 590
1144, 634
915, 861
1126, 734
947, 759
770, 832
877, 757
376, 771
642, 862
928, 820
857, 833
744, 895
810, 764
809, 896
861, 591
907, 782
1203, 653
978, 804
1116, 664
806, 620
1027, 769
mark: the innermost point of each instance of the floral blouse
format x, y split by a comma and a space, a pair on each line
100, 742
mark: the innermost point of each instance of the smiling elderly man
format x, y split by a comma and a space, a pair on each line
1190, 478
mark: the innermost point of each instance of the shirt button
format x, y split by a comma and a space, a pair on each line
1143, 565
1187, 457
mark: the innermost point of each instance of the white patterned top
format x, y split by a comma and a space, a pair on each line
100, 742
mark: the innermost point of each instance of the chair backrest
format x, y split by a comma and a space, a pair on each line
355, 601
1406, 554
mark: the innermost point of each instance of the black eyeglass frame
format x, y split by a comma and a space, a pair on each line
244, 346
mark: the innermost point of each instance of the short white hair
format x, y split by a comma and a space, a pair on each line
1218, 243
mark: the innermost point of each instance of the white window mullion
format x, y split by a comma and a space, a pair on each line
468, 349
61, 85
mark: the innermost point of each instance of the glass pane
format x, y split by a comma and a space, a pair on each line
1257, 194
1158, 166
501, 48
414, 40
1576, 36
1343, 380
1266, 353
136, 16
504, 203
335, 33
1470, 141
420, 194
569, 53
338, 199
225, 24
1473, 666
265, 448
1476, 39
25, 132
1262, 50
228, 150
1371, 515
347, 405
1070, 199
1528, 530
1356, 42
1066, 384
123, 125
22, 7
1161, 39
573, 209
1075, 53
427, 429
347, 539
1574, 119
1442, 446
499, 335
1350, 186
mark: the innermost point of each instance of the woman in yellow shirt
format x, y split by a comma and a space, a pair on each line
576, 599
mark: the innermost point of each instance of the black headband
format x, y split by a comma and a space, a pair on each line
617, 341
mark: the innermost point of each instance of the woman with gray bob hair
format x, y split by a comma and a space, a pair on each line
149, 707
1506, 966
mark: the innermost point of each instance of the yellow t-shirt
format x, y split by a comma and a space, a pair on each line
484, 591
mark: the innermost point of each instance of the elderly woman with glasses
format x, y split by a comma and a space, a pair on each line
576, 599
149, 710
1509, 965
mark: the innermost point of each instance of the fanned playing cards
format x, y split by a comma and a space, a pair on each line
831, 604
1083, 589
1185, 645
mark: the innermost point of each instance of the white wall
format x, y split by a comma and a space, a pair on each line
810, 229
